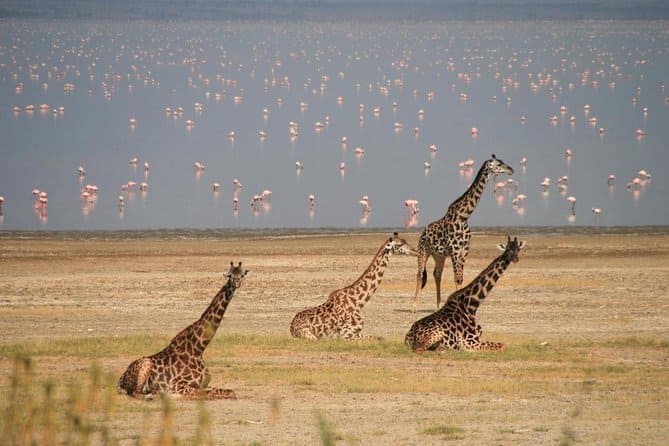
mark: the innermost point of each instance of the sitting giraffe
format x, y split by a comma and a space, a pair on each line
454, 325
179, 368
450, 235
340, 315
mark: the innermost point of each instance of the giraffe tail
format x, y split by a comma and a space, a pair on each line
423, 279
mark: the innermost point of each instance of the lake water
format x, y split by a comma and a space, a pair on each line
523, 85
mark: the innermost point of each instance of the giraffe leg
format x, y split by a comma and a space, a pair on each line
352, 329
458, 270
458, 257
439, 262
424, 341
216, 393
187, 390
488, 346
134, 381
421, 276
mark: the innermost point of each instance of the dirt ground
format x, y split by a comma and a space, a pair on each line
600, 295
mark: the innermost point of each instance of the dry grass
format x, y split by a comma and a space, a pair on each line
585, 318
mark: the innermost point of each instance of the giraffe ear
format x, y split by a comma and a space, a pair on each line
521, 244
501, 247
246, 272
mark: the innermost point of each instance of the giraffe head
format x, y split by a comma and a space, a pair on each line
236, 275
397, 245
497, 166
512, 249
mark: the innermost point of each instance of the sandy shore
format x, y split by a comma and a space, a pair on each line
600, 295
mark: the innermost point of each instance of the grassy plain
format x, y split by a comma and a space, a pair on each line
585, 316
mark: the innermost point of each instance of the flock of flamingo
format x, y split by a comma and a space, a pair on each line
213, 88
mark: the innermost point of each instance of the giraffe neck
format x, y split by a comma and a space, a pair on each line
363, 288
464, 206
196, 337
471, 296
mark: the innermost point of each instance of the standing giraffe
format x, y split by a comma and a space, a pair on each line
450, 235
179, 368
454, 325
340, 315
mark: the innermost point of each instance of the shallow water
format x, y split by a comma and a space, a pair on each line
462, 75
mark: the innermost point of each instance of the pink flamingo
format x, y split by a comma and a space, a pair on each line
413, 211
412, 207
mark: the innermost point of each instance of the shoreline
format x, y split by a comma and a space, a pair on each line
245, 234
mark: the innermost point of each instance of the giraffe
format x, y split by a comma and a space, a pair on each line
340, 315
450, 235
454, 325
179, 368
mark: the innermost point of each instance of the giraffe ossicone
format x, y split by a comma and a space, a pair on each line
179, 368
450, 235
454, 325
340, 315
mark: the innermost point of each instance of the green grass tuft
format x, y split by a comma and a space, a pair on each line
448, 432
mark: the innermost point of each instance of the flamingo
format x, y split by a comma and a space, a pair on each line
364, 202
198, 166
519, 200
215, 186
412, 207
643, 174
611, 180
312, 201
572, 203
81, 171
